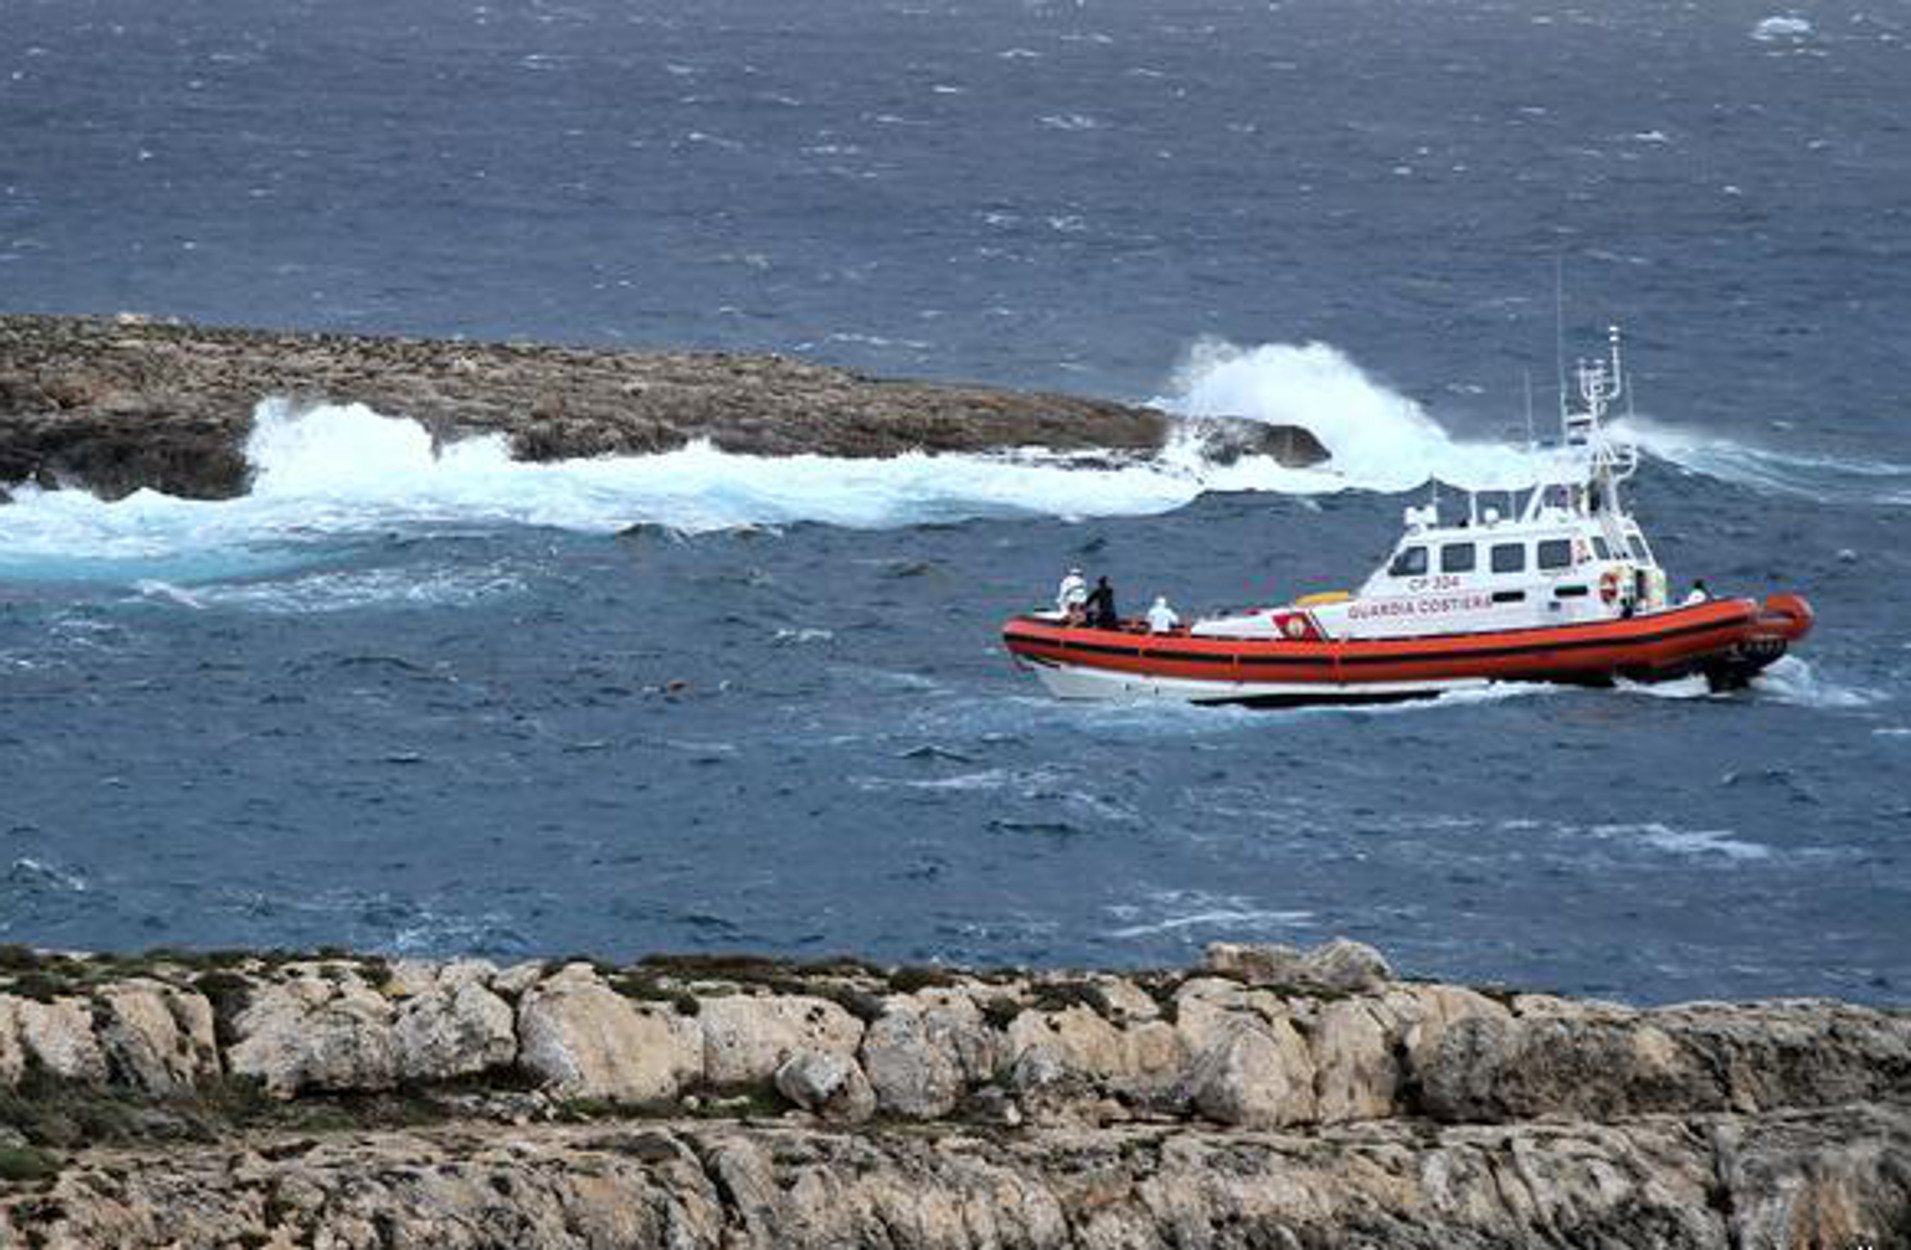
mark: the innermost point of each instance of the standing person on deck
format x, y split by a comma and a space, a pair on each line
1071, 598
1161, 617
1101, 605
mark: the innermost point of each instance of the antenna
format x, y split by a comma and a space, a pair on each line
1530, 441
1559, 330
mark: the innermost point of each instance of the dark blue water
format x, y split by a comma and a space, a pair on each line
433, 707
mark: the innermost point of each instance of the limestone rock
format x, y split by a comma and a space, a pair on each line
1842, 1179
1207, 1009
828, 1084
1423, 1013
157, 1038
321, 1029
923, 1053
456, 1027
13, 1059
1078, 1036
747, 1037
1490, 1069
1794, 1054
512, 982
583, 1040
1258, 1075
59, 1037
1356, 1074
114, 407
1341, 966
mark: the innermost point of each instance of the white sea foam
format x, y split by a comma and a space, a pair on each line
1787, 680
1797, 474
1177, 911
333, 473
1792, 680
1684, 841
29, 871
1694, 687
1379, 440
1785, 26
335, 591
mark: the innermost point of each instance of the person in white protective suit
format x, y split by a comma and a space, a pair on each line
1071, 598
1161, 617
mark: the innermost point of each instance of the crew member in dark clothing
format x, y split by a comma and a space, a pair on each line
1101, 605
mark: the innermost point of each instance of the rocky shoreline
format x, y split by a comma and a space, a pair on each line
1268, 1097
114, 404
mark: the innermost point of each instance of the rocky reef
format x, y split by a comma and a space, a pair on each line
1269, 1097
115, 404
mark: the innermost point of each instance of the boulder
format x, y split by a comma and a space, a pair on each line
1207, 1009
157, 1038
321, 1029
455, 1028
1341, 966
581, 1039
1085, 1043
58, 1036
410, 978
747, 1037
827, 1084
1794, 1054
1257, 1075
924, 1052
1488, 1069
1421, 1014
1356, 1074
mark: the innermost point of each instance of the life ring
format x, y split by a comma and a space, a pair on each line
1609, 586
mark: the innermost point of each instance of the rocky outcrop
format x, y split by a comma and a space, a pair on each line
580, 1039
116, 404
1269, 1097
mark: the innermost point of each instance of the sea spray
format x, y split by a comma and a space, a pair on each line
328, 475
1379, 440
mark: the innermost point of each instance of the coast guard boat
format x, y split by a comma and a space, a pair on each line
1564, 588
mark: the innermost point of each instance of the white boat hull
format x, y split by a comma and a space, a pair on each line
1069, 682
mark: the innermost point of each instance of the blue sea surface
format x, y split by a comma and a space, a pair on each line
434, 704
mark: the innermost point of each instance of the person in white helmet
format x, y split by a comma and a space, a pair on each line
1071, 599
1161, 617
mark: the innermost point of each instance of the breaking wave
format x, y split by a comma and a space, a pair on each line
330, 473
1796, 474
337, 473
1379, 440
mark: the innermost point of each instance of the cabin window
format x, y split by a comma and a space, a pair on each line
1509, 596
1556, 553
1569, 592
1640, 552
1509, 557
1410, 563
1600, 548
1456, 558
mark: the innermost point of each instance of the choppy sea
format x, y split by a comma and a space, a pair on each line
430, 703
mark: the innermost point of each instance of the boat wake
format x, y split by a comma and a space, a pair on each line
1788, 679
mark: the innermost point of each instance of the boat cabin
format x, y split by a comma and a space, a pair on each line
1564, 551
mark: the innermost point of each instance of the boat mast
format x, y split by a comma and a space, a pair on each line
1607, 462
